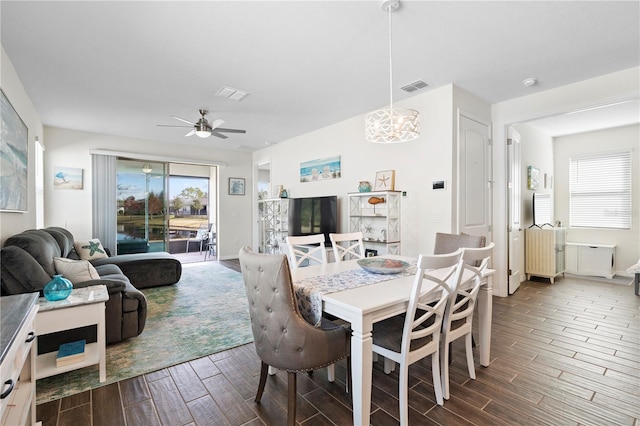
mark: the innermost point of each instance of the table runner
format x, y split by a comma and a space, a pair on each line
309, 291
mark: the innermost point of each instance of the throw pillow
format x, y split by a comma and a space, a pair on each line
88, 250
76, 271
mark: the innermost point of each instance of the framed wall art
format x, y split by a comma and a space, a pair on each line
322, 169
236, 186
533, 177
67, 178
14, 158
385, 181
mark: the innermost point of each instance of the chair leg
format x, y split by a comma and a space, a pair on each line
437, 380
331, 372
444, 369
403, 394
468, 343
291, 403
389, 366
264, 369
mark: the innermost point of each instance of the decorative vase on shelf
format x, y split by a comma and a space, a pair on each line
364, 186
59, 288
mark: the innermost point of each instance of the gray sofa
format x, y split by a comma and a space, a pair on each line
27, 265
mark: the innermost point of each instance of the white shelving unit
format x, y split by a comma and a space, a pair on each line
274, 224
379, 223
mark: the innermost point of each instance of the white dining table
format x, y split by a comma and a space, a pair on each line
363, 306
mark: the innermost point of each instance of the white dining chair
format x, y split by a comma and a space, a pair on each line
458, 318
307, 250
405, 339
347, 246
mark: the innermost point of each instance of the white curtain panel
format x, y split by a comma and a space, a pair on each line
104, 200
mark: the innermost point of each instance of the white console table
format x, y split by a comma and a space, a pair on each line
85, 306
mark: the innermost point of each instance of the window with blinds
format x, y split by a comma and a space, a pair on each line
600, 191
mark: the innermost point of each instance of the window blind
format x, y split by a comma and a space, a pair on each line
600, 190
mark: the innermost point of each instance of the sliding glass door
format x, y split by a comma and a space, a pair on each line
142, 214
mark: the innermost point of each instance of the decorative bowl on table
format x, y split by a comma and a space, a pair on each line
381, 265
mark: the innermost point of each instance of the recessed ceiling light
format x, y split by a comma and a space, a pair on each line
528, 82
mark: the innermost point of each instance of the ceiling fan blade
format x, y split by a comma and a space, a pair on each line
216, 123
190, 133
170, 125
220, 135
221, 129
182, 119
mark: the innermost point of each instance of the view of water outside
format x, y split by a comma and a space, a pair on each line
141, 208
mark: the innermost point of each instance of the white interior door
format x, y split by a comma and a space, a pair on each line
474, 212
514, 203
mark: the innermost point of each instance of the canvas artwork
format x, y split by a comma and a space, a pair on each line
13, 159
67, 178
322, 169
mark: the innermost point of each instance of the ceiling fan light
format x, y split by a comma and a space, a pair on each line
146, 168
203, 133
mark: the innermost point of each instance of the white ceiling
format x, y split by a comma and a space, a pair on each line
121, 67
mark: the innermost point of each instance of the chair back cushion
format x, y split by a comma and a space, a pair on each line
448, 243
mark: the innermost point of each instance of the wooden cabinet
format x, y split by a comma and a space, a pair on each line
591, 259
379, 223
17, 366
274, 224
545, 252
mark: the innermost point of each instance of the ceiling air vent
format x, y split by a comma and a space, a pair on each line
231, 93
416, 85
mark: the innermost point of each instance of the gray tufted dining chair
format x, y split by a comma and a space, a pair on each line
283, 338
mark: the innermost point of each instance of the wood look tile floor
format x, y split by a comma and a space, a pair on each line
562, 354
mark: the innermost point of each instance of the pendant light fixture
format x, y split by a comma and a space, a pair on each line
146, 168
391, 125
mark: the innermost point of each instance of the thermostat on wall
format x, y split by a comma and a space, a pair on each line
439, 184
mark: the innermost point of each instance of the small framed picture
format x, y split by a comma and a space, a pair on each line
385, 181
236, 186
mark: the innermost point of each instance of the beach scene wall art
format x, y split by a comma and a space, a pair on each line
67, 178
322, 169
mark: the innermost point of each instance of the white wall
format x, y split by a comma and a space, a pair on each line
622, 138
606, 88
11, 222
417, 164
537, 151
72, 208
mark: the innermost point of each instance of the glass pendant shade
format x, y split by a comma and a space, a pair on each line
392, 125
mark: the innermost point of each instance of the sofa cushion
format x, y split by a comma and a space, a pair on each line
21, 273
75, 271
92, 249
42, 246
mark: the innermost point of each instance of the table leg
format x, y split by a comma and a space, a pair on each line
361, 368
485, 308
102, 345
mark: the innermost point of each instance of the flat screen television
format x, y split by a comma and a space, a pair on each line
313, 215
542, 210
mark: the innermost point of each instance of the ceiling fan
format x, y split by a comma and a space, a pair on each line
203, 129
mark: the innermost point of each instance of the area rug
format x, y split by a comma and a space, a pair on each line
204, 313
